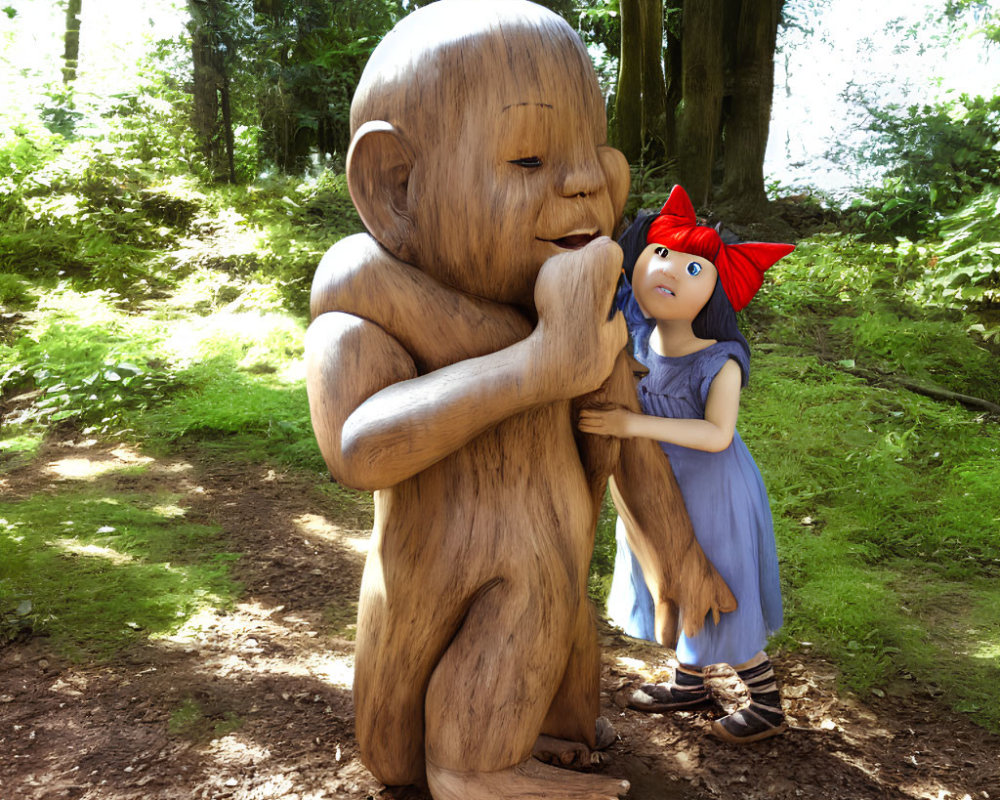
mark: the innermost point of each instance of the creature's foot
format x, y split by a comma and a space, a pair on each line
529, 780
576, 755
561, 752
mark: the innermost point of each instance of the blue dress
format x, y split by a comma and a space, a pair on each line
725, 499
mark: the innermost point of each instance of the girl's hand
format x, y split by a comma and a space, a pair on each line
609, 422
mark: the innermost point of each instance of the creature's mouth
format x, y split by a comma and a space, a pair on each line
665, 290
574, 241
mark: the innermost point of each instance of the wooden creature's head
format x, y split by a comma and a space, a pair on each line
478, 145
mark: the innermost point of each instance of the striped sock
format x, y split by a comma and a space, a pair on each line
764, 694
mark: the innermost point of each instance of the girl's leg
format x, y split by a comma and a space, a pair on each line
764, 717
686, 692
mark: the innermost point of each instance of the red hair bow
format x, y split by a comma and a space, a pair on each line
741, 266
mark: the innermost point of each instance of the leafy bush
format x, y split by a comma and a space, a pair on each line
89, 362
966, 268
938, 157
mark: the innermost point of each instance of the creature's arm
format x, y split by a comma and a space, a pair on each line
684, 584
436, 324
712, 434
379, 421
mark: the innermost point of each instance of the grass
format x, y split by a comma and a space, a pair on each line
96, 569
191, 721
885, 502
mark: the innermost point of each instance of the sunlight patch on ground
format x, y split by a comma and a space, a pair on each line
932, 791
988, 651
331, 669
249, 632
631, 663
237, 751
71, 685
93, 550
264, 337
169, 510
320, 527
88, 469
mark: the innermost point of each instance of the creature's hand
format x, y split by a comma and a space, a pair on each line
702, 591
604, 422
575, 344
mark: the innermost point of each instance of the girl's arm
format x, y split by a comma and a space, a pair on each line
712, 434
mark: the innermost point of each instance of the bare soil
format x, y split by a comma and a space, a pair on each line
255, 703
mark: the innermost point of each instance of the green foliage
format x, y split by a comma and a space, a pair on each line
15, 292
83, 208
95, 571
90, 362
191, 721
650, 186
234, 376
967, 269
150, 123
882, 501
884, 307
885, 502
937, 158
602, 562
297, 220
292, 69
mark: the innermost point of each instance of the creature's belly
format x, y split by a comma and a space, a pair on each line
513, 496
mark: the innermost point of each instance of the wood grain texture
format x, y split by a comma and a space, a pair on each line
447, 353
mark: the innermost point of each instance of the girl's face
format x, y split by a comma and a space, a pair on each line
671, 285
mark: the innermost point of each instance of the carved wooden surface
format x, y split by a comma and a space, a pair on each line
447, 354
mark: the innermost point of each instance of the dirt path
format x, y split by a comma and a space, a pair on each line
256, 704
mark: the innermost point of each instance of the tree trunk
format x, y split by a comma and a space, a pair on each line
71, 53
227, 128
702, 89
673, 71
628, 95
211, 116
654, 90
747, 125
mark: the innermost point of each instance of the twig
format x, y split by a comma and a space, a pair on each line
929, 391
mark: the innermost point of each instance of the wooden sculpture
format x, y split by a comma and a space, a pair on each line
448, 356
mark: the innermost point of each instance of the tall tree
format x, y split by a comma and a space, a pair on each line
746, 126
71, 51
708, 100
641, 96
701, 93
628, 93
212, 114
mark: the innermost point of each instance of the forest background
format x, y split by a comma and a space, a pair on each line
161, 218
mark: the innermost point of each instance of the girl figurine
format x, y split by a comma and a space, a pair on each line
684, 287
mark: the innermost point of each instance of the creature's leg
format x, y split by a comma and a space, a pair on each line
569, 730
489, 697
397, 648
575, 706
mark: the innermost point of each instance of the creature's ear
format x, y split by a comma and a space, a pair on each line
618, 176
379, 163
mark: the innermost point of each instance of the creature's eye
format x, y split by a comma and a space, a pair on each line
662, 252
693, 268
530, 162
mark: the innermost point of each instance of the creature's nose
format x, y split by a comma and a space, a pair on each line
582, 178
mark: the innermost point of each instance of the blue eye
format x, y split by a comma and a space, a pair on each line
693, 268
